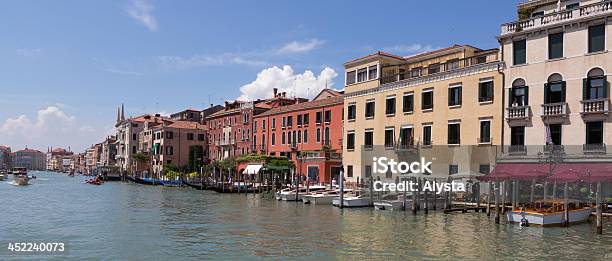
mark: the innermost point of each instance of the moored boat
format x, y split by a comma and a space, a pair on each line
550, 213
291, 195
323, 197
352, 201
390, 202
19, 171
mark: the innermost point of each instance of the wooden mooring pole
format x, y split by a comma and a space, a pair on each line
497, 210
565, 206
489, 195
598, 209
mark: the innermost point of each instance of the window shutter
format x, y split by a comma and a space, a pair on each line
526, 95
584, 89
563, 84
449, 96
479, 91
510, 97
546, 92
460, 95
605, 82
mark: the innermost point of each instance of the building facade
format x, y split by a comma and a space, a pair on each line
556, 77
308, 133
448, 99
172, 144
5, 158
30, 159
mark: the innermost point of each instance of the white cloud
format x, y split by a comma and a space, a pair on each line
52, 126
305, 85
300, 47
409, 48
179, 62
141, 11
28, 52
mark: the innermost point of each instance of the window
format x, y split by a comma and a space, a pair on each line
305, 136
289, 138
368, 140
416, 72
408, 102
189, 136
169, 135
519, 52
273, 123
368, 171
134, 151
289, 121
433, 68
519, 94
405, 137
255, 127
318, 117
554, 89
299, 120
555, 45
352, 111
572, 6
327, 116
369, 110
485, 91
201, 137
362, 75
555, 131
390, 106
517, 136
284, 122
350, 140
350, 77
327, 141
537, 14
454, 133
594, 132
597, 38
306, 119
427, 135
373, 72
427, 100
595, 86
169, 150
452, 64
389, 137
349, 171
134, 136
485, 169
454, 95
273, 138
318, 135
453, 169
485, 131
283, 139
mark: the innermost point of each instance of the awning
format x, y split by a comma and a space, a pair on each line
585, 172
466, 175
516, 171
252, 169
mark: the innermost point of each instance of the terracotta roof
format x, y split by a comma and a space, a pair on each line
304, 106
379, 53
5, 148
28, 150
185, 125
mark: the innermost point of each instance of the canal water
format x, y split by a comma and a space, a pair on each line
121, 221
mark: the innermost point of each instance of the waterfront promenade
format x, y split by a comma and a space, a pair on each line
126, 221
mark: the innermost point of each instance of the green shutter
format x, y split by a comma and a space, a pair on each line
563, 84
546, 92
510, 97
584, 89
460, 95
605, 82
526, 95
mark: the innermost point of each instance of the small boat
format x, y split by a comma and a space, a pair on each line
195, 186
19, 171
21, 180
290, 194
94, 182
550, 213
390, 202
352, 201
2, 176
145, 181
323, 197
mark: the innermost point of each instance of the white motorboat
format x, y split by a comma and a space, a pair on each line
2, 176
351, 201
390, 202
21, 180
549, 216
323, 197
290, 194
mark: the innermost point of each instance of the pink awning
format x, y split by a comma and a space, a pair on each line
516, 171
584, 172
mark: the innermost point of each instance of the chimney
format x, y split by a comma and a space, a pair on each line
211, 105
275, 91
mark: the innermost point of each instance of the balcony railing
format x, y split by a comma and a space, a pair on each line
519, 112
558, 17
595, 106
225, 142
597, 148
516, 150
406, 146
554, 109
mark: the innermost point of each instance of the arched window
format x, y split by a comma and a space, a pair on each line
263, 140
305, 136
554, 89
299, 137
318, 135
273, 138
595, 86
289, 137
519, 94
294, 137
327, 143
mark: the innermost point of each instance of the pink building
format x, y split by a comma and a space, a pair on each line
172, 143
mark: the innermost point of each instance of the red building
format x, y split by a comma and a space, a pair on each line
309, 133
230, 129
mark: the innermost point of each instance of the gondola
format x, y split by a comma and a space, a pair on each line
195, 186
145, 182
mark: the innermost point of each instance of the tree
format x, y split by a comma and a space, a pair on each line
140, 158
196, 157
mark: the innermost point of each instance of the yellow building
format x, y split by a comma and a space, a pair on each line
432, 104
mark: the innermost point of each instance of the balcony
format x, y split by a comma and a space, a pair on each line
594, 148
517, 150
557, 18
225, 142
406, 146
519, 113
554, 110
595, 106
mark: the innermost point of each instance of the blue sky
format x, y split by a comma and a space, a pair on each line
65, 66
